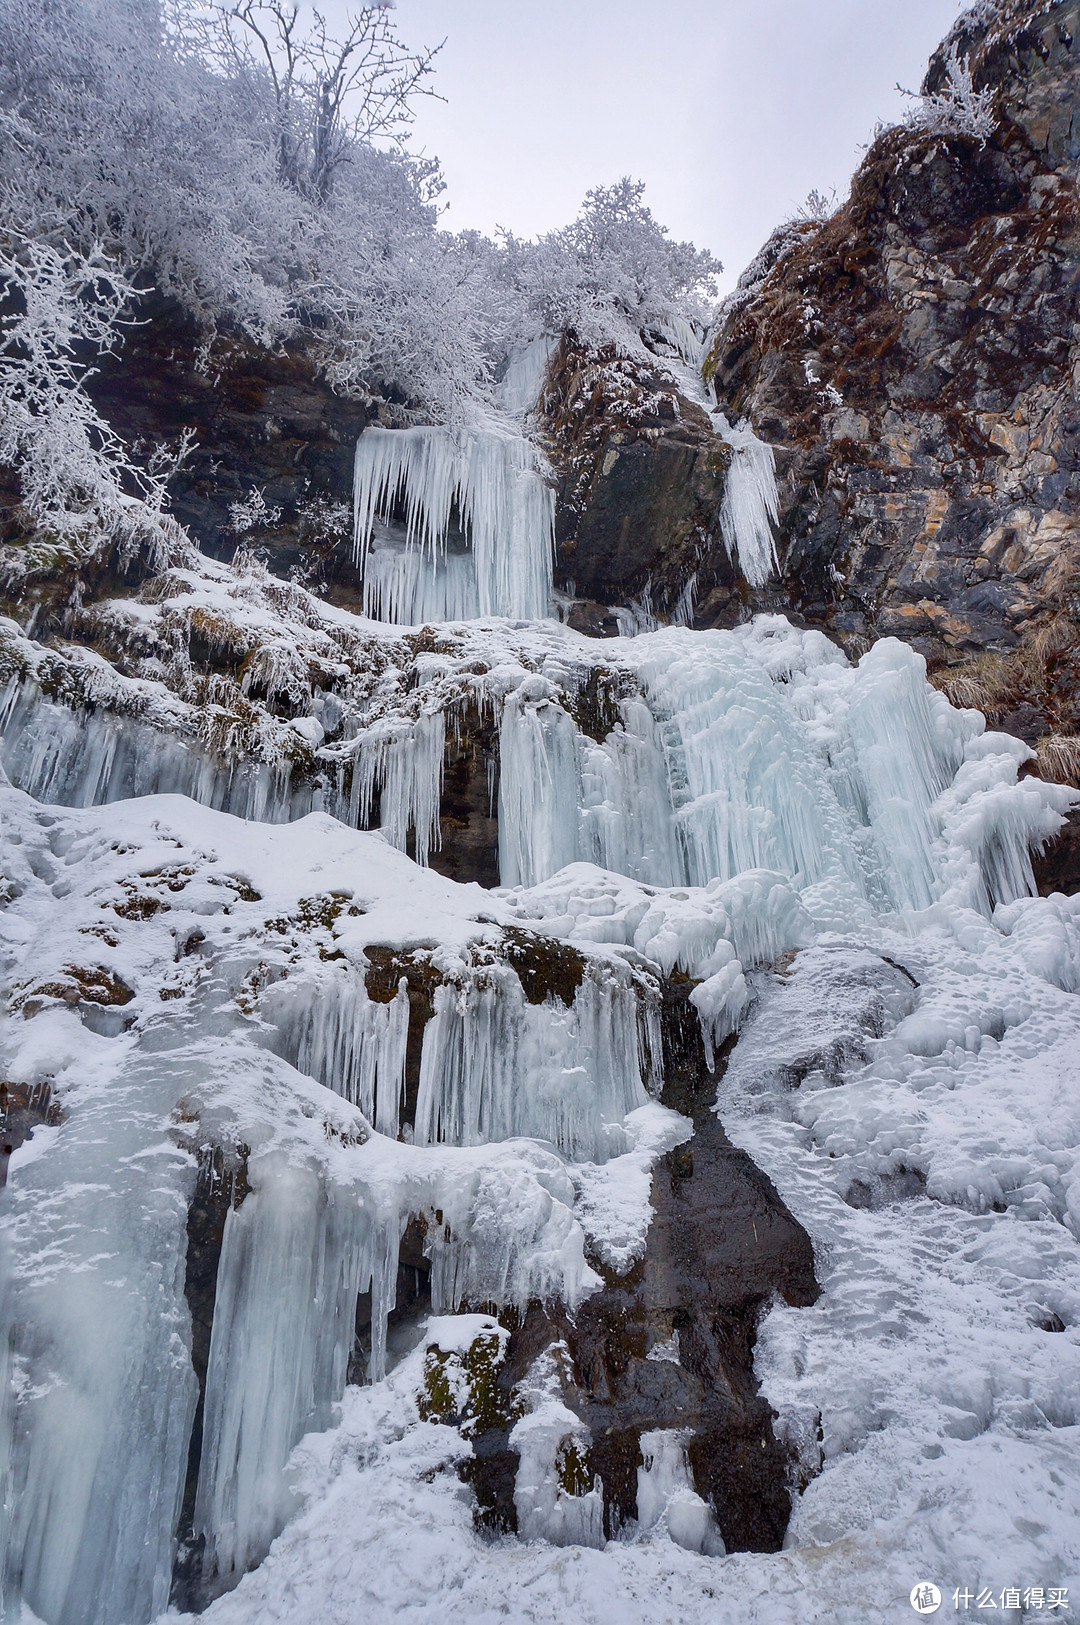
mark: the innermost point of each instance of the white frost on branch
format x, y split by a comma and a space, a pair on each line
78, 482
957, 108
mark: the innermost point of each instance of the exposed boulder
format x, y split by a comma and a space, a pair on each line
641, 474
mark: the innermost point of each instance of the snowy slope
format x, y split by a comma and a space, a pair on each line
835, 858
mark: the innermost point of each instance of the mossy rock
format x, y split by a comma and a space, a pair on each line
463, 1389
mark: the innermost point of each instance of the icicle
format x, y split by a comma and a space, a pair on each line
494, 1066
87, 759
346, 1040
563, 797
538, 787
404, 587
492, 480
402, 763
750, 506
283, 1329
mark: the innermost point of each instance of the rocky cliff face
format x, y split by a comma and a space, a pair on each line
915, 361
641, 476
258, 421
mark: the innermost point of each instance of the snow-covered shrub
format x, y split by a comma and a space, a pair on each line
957, 108
78, 483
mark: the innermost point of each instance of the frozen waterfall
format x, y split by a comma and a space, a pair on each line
482, 490
409, 1074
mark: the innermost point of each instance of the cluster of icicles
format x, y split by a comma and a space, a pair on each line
759, 753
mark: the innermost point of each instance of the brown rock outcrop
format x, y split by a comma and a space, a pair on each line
915, 359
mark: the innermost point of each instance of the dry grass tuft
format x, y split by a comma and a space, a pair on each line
1034, 671
1058, 757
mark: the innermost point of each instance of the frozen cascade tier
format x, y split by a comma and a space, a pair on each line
451, 524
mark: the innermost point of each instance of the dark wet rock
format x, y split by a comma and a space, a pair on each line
546, 967
1057, 869
670, 1345
261, 421
881, 1190
468, 848
221, 1185
641, 475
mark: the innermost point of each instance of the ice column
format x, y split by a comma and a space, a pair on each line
908, 743
490, 479
750, 507
95, 1317
291, 1262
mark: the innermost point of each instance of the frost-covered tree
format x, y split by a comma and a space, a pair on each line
327, 94
613, 272
240, 159
79, 484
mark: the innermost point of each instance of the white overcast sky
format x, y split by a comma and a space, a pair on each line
729, 110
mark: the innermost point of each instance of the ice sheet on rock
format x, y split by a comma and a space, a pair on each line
546, 1509
666, 1498
526, 369
750, 509
613, 1198
486, 475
